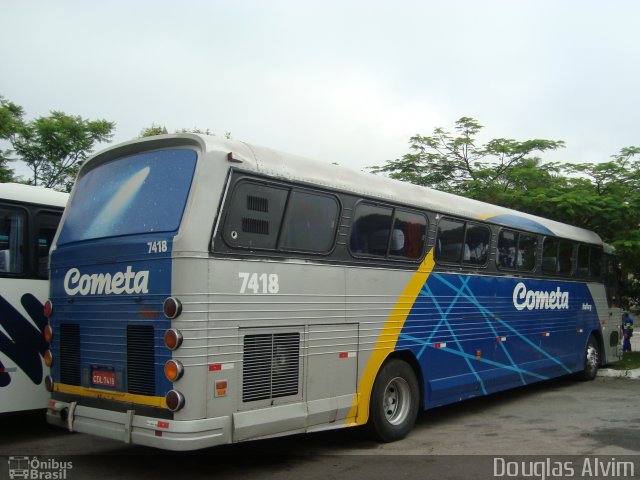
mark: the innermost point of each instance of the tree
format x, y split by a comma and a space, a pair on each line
10, 124
162, 130
55, 146
454, 163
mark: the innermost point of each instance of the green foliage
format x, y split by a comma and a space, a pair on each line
55, 146
10, 124
603, 197
153, 130
162, 130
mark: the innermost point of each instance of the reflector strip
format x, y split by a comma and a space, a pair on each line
580, 330
346, 354
545, 334
501, 339
440, 345
220, 366
163, 424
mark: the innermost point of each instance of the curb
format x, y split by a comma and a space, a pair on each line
609, 372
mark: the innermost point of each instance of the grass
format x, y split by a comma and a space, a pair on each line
629, 361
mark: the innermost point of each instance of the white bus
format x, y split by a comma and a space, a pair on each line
30, 216
207, 291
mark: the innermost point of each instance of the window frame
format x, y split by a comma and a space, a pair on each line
461, 262
290, 188
518, 234
387, 257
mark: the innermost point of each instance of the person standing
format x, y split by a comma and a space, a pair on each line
627, 332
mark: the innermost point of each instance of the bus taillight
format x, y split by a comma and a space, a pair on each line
175, 400
47, 333
172, 307
173, 370
48, 308
48, 383
172, 338
48, 358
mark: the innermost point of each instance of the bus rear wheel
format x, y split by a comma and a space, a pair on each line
394, 402
591, 359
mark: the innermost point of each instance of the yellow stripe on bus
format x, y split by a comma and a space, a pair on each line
386, 344
107, 395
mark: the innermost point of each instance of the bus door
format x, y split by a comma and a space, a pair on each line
611, 329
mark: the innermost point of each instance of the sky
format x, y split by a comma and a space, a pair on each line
341, 81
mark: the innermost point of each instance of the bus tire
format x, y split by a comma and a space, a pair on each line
591, 359
394, 402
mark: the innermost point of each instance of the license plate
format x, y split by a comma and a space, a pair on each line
103, 378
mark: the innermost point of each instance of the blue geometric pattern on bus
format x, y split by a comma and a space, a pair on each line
25, 346
520, 222
470, 339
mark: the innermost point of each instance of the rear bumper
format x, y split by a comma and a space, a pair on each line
140, 430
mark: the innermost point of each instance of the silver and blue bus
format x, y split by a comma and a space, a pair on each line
207, 291
30, 217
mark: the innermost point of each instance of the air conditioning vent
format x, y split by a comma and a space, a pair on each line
254, 225
257, 204
271, 366
70, 354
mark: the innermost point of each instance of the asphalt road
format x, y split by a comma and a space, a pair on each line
559, 417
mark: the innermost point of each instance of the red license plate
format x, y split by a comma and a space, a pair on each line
101, 378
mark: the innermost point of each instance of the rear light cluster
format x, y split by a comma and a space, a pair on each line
47, 333
173, 369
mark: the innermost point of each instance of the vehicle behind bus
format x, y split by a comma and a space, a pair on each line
30, 216
205, 291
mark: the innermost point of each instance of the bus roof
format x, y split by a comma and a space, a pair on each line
19, 192
285, 166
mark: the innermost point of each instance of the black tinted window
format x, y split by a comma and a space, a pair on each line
550, 255
255, 215
371, 230
408, 236
582, 267
527, 251
46, 225
476, 244
12, 234
565, 256
449, 240
310, 223
507, 246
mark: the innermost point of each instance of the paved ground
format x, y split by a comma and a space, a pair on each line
560, 417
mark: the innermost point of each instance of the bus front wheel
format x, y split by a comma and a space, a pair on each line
394, 402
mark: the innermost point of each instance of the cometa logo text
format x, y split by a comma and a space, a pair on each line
539, 300
106, 283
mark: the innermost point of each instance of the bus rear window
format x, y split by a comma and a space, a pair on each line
144, 193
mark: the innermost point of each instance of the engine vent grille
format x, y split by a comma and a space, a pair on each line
70, 354
271, 366
141, 374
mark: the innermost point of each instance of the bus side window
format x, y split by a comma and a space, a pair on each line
582, 268
409, 233
310, 222
12, 234
371, 229
565, 257
595, 262
527, 250
550, 255
46, 225
450, 239
507, 241
255, 216
476, 244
